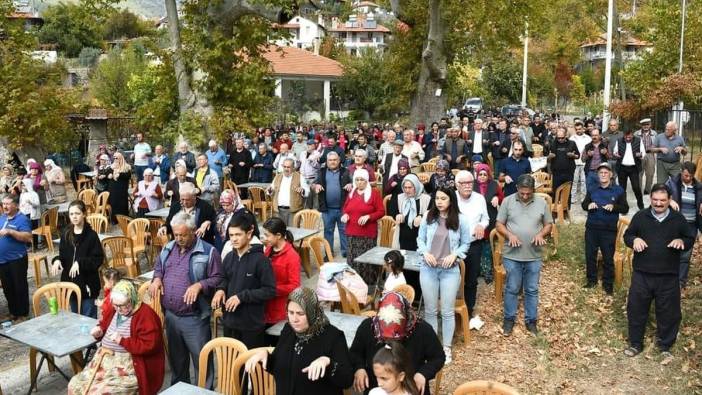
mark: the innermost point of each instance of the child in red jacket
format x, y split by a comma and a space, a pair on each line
110, 277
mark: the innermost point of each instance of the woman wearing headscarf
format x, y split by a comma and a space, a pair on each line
119, 186
29, 202
7, 179
132, 332
311, 357
230, 204
486, 185
442, 177
394, 185
102, 177
102, 150
362, 210
35, 174
148, 195
55, 182
396, 321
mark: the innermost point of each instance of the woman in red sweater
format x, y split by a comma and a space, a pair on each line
362, 210
286, 268
132, 332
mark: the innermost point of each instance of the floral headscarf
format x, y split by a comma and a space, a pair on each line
317, 320
396, 319
446, 180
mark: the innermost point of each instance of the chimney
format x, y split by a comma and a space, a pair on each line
315, 45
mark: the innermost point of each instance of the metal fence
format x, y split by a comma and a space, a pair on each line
692, 127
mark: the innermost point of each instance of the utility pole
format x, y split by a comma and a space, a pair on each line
679, 107
608, 63
524, 72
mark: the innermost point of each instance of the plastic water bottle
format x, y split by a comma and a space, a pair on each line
53, 305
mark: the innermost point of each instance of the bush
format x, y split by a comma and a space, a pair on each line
89, 56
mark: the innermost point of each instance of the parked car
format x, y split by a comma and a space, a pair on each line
474, 104
513, 110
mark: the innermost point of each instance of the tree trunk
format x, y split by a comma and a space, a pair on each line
429, 103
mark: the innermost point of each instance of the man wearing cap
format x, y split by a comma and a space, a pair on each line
669, 146
648, 168
391, 160
455, 148
629, 151
524, 220
216, 158
603, 203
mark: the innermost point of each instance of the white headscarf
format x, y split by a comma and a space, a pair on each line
362, 173
409, 207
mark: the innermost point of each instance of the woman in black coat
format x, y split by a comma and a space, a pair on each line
416, 335
311, 357
118, 186
79, 259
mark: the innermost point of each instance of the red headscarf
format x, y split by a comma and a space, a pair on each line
483, 185
396, 318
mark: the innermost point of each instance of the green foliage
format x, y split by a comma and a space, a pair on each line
366, 84
154, 96
191, 126
577, 91
110, 84
89, 56
123, 24
503, 82
71, 27
464, 81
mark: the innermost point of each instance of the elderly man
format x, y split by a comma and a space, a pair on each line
283, 154
454, 149
387, 147
611, 136
289, 191
629, 151
240, 162
15, 234
186, 274
360, 156
563, 154
187, 156
216, 158
593, 155
412, 149
603, 203
206, 180
479, 140
161, 165
669, 146
173, 185
581, 140
514, 166
262, 165
332, 195
524, 220
142, 152
309, 168
647, 136
658, 236
204, 214
473, 206
391, 160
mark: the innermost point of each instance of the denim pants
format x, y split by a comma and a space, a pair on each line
87, 307
139, 170
522, 274
591, 180
332, 219
439, 284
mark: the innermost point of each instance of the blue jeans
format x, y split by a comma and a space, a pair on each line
439, 284
522, 274
332, 219
87, 307
591, 180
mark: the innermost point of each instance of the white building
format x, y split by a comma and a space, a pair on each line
304, 33
595, 51
360, 32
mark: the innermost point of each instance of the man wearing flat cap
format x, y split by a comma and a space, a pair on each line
648, 163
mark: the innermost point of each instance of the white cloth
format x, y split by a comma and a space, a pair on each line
478, 142
413, 150
393, 165
475, 209
278, 163
393, 281
580, 141
628, 158
284, 192
141, 154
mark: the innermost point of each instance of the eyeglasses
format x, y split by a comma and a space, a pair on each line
465, 183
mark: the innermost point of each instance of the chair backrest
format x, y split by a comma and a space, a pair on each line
307, 219
429, 166
424, 177
53, 220
462, 270
546, 197
496, 243
154, 225
101, 203
405, 290
349, 303
97, 221
120, 249
226, 351
123, 223
62, 291
484, 387
386, 230
137, 230
229, 184
154, 303
88, 196
258, 195
622, 225
262, 382
320, 247
386, 200
563, 194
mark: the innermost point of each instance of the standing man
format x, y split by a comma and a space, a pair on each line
283, 154
478, 140
216, 159
371, 156
289, 190
309, 168
187, 156
629, 151
387, 147
142, 152
206, 180
524, 220
603, 203
455, 148
161, 165
186, 274
513, 167
563, 155
611, 136
498, 140
332, 146
360, 156
332, 195
581, 140
15, 234
658, 236
647, 136
412, 149
173, 186
300, 144
240, 162
669, 146
392, 159
594, 154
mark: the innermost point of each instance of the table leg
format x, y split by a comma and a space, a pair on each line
33, 379
51, 362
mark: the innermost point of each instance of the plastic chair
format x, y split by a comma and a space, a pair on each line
101, 205
307, 219
214, 322
386, 231
554, 229
62, 291
544, 182
386, 200
484, 387
349, 303
405, 290
461, 308
424, 177
37, 258
138, 231
123, 223
498, 270
121, 255
98, 222
226, 351
157, 243
622, 253
88, 196
262, 382
48, 225
428, 166
320, 247
84, 183
155, 304
259, 202
561, 202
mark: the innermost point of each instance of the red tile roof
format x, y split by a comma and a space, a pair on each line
342, 28
290, 61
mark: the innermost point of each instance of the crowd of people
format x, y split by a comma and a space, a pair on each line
219, 258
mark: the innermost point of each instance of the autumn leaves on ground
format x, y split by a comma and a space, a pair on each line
582, 337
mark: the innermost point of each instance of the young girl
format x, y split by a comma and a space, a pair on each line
394, 263
110, 277
393, 370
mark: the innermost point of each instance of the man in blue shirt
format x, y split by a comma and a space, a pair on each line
15, 233
216, 159
513, 167
332, 195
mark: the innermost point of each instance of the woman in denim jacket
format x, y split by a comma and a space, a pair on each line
444, 238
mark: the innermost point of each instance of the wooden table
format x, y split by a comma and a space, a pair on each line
161, 213
182, 388
53, 336
347, 323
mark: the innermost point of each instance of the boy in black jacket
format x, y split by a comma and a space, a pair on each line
247, 285
658, 236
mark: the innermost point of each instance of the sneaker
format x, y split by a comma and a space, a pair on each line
666, 357
447, 352
507, 327
476, 323
590, 284
632, 351
531, 327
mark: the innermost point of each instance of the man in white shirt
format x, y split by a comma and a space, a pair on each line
472, 205
289, 190
284, 153
629, 150
581, 139
412, 149
387, 146
478, 140
142, 152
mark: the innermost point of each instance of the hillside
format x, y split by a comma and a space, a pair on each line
145, 8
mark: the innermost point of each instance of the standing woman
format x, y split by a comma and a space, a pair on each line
147, 195
119, 185
286, 267
29, 202
55, 183
311, 356
394, 185
102, 177
361, 212
444, 238
486, 185
7, 179
80, 256
35, 174
442, 177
